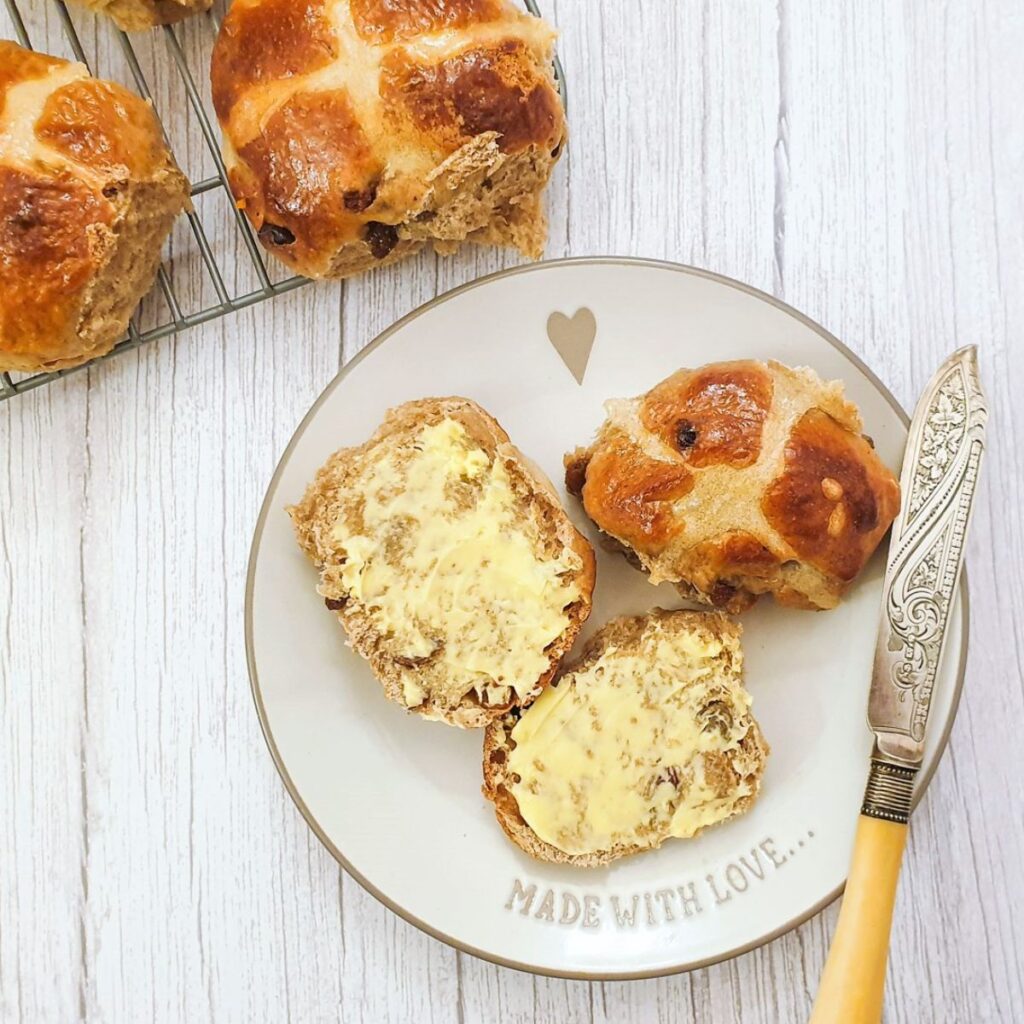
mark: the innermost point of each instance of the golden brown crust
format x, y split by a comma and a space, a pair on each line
386, 21
834, 499
139, 15
634, 492
311, 153
46, 260
260, 43
88, 192
442, 124
715, 414
102, 126
740, 479
330, 493
622, 634
485, 89
20, 65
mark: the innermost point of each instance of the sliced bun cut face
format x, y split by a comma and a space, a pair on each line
449, 561
648, 737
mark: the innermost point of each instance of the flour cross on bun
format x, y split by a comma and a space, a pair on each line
739, 479
648, 737
449, 561
357, 130
88, 193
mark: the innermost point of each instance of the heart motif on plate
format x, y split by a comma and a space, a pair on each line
573, 338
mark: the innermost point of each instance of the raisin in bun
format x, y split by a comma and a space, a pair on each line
357, 130
88, 193
739, 479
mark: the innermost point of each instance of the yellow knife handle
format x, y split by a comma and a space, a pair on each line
853, 982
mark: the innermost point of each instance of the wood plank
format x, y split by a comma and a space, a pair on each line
863, 162
898, 238
44, 457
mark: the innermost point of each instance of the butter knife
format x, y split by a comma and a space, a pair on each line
926, 553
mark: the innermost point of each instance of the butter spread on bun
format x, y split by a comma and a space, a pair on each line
647, 738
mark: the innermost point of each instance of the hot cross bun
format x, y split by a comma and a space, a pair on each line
357, 130
88, 193
138, 15
739, 479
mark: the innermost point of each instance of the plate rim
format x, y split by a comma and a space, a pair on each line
254, 685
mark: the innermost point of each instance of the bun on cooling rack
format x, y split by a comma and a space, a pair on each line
355, 131
88, 193
647, 737
137, 15
449, 561
739, 479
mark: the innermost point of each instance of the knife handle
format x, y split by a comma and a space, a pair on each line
853, 983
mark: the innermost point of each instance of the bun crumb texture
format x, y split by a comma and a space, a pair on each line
648, 737
451, 565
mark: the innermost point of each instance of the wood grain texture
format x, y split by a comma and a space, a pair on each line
863, 161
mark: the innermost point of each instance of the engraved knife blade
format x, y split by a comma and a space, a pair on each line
940, 473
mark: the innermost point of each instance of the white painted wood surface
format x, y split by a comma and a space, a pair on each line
862, 160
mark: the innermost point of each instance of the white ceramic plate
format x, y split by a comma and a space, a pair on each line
397, 800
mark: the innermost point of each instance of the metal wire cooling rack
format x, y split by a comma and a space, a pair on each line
214, 263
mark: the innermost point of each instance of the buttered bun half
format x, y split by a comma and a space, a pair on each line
449, 561
648, 737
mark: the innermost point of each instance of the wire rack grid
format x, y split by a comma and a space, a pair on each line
234, 269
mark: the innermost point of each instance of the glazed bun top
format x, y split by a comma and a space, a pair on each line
83, 169
342, 117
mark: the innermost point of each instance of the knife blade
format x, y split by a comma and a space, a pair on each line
943, 457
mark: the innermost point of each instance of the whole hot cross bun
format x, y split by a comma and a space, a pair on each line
357, 130
739, 479
88, 193
138, 15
